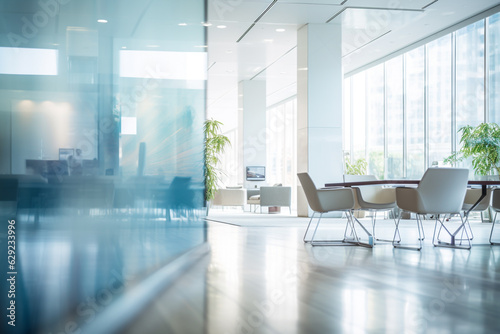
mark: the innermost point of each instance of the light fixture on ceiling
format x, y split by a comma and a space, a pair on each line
221, 26
302, 69
102, 21
206, 24
124, 47
182, 24
280, 30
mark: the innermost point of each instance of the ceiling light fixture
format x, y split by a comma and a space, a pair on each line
268, 40
182, 24
280, 30
206, 24
221, 26
102, 21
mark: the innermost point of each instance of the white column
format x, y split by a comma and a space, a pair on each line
319, 100
252, 105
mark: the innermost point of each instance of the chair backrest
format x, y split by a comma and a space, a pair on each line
372, 194
311, 191
495, 199
442, 190
472, 195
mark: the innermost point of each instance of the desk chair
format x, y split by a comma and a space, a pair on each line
328, 200
495, 205
373, 198
441, 191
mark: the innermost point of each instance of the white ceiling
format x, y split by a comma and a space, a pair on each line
250, 48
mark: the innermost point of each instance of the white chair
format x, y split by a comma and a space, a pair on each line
441, 191
495, 205
372, 198
327, 200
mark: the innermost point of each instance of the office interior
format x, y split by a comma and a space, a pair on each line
102, 107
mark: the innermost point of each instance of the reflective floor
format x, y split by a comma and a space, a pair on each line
266, 280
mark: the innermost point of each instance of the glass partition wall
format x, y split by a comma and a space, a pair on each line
405, 113
102, 106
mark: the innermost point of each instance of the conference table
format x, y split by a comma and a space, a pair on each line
402, 182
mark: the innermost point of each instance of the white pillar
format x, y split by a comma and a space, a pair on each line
252, 106
319, 100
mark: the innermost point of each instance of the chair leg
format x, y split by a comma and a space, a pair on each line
491, 233
374, 222
452, 243
340, 242
421, 226
307, 230
396, 244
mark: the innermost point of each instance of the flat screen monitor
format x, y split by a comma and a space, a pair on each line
256, 173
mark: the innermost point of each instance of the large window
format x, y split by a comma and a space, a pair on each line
394, 118
439, 101
493, 58
470, 74
415, 108
375, 120
405, 118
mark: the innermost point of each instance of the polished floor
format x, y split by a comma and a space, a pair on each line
264, 279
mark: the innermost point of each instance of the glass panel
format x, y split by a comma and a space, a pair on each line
107, 169
470, 75
415, 69
493, 40
375, 120
359, 114
439, 98
394, 110
346, 117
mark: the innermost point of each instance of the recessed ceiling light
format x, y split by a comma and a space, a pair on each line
206, 24
221, 26
102, 21
280, 30
124, 47
183, 24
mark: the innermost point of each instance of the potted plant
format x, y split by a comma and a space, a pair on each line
482, 144
215, 143
357, 167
